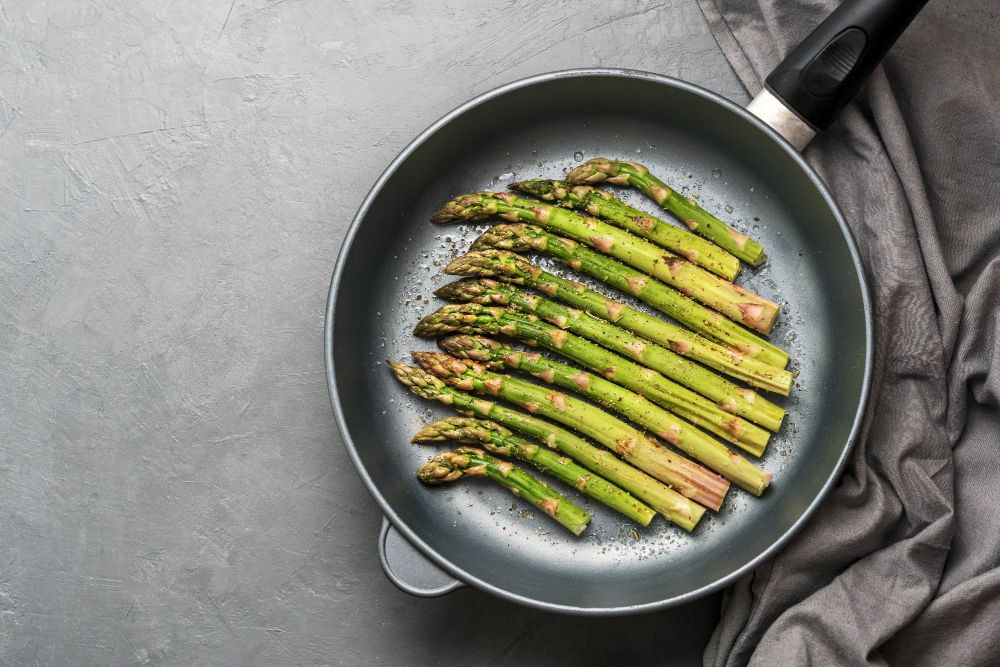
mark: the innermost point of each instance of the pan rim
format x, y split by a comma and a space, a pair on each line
411, 535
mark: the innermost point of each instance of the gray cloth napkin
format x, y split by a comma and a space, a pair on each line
901, 565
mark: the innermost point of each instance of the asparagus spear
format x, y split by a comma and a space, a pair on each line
727, 298
497, 440
672, 505
634, 406
703, 387
472, 318
471, 462
515, 269
603, 205
697, 219
688, 478
522, 238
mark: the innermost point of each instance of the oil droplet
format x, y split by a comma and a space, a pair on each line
578, 156
716, 173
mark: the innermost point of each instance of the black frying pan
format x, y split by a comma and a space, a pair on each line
436, 539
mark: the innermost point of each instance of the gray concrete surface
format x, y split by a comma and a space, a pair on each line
175, 180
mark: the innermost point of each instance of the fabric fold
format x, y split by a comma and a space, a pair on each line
900, 565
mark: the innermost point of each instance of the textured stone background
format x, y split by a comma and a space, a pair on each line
175, 180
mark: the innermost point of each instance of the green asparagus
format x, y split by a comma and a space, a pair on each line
713, 400
522, 238
603, 205
512, 268
472, 318
668, 502
497, 440
688, 478
727, 298
634, 406
697, 219
471, 462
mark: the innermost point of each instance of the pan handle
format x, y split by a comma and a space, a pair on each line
819, 77
409, 569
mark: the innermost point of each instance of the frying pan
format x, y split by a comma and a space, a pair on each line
746, 166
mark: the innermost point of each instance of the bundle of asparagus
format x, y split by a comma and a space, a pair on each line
476, 319
697, 219
516, 270
603, 205
498, 440
689, 479
670, 302
654, 373
472, 462
633, 406
725, 297
672, 505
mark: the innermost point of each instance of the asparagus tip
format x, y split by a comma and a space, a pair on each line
449, 466
446, 366
594, 170
462, 207
466, 317
473, 348
420, 382
466, 430
478, 290
516, 237
537, 187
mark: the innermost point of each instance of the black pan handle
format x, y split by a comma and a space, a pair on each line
821, 75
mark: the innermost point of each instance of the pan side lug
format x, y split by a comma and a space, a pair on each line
408, 569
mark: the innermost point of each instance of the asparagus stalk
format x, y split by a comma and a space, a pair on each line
522, 238
712, 400
472, 318
668, 502
471, 462
497, 440
634, 406
697, 219
687, 477
727, 298
604, 205
517, 270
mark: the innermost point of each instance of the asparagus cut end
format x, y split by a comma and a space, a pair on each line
758, 316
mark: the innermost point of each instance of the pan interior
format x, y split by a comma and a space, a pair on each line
395, 262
